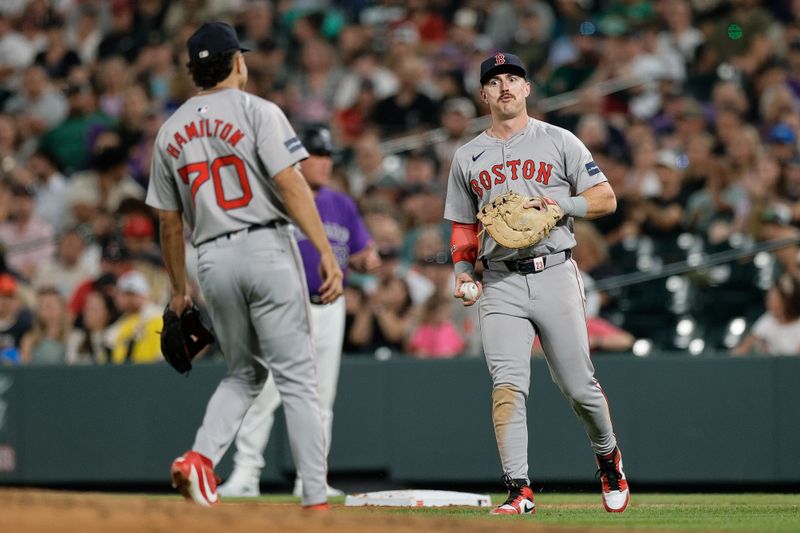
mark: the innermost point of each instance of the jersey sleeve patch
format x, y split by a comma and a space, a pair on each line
293, 144
592, 168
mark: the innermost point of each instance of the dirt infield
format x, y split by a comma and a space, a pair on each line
43, 511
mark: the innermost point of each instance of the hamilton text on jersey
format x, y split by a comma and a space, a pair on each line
516, 169
204, 128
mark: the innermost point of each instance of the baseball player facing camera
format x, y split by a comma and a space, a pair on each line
353, 247
226, 161
530, 287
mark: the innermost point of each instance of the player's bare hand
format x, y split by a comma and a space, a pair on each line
332, 276
538, 203
533, 203
179, 303
461, 279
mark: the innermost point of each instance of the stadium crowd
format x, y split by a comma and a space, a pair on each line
700, 145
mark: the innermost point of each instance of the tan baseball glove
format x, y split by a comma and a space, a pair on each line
514, 226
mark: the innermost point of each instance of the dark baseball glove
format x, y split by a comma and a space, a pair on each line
514, 226
183, 337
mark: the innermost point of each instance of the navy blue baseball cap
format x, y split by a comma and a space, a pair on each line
499, 63
317, 140
213, 38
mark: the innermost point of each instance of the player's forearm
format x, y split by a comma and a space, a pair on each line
299, 202
600, 201
173, 249
464, 247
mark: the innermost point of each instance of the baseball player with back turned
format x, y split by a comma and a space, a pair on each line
226, 161
352, 245
535, 290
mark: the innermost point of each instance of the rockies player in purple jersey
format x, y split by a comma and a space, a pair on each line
226, 162
536, 290
352, 245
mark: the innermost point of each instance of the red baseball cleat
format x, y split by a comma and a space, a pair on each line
193, 475
615, 486
317, 507
520, 498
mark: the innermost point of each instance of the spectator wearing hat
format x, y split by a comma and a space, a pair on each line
46, 342
15, 319
782, 142
27, 238
135, 337
138, 238
114, 262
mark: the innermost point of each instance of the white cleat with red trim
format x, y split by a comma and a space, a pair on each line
520, 498
193, 476
616, 493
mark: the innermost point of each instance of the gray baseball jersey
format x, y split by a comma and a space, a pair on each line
214, 159
515, 307
542, 159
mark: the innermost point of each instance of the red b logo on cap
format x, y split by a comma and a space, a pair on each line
499, 59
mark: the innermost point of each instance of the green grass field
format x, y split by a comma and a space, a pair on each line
684, 512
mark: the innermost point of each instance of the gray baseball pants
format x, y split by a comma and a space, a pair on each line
513, 309
256, 292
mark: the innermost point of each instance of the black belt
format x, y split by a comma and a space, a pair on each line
529, 265
272, 224
316, 299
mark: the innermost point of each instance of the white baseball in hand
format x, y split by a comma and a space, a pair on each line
470, 291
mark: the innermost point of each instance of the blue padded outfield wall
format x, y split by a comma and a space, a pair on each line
678, 419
